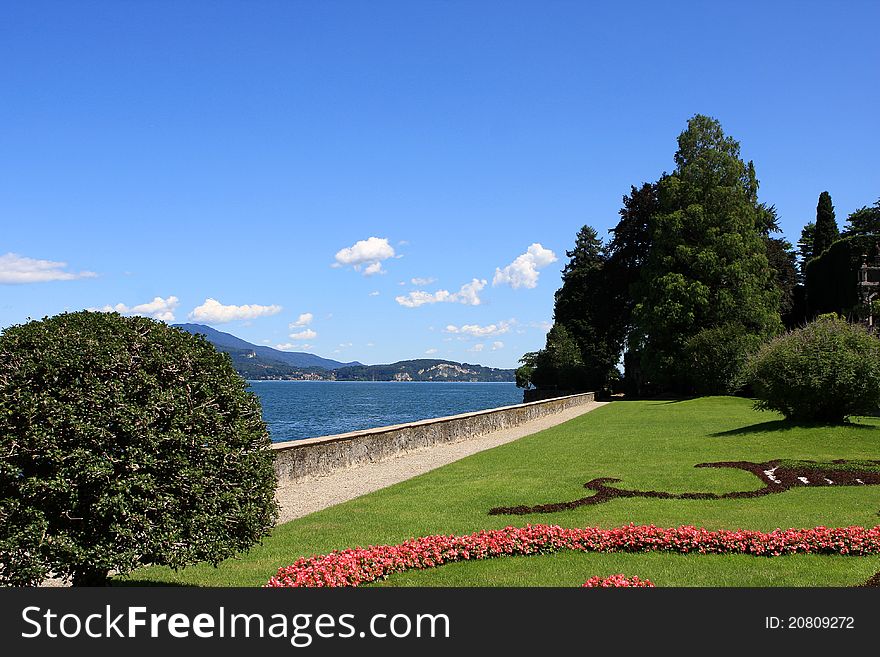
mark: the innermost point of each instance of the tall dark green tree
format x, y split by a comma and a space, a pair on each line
707, 267
806, 249
559, 364
595, 302
826, 232
585, 341
782, 259
628, 250
864, 221
587, 305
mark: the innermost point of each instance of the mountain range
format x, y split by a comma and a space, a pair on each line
257, 362
233, 345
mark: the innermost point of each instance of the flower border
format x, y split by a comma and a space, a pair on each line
619, 581
356, 566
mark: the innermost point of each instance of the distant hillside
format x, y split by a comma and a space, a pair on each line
423, 370
252, 360
255, 362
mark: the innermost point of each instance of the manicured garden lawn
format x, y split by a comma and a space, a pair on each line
648, 445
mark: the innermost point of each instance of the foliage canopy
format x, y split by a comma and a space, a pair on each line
124, 442
707, 267
826, 371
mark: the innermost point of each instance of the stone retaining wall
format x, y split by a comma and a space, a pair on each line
299, 459
533, 394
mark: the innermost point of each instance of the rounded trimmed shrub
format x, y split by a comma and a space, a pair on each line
826, 371
124, 442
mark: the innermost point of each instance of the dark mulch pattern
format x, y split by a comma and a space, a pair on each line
775, 477
873, 580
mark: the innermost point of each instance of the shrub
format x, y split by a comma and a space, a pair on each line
124, 442
716, 359
825, 371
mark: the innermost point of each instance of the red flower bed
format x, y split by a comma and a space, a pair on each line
617, 582
356, 566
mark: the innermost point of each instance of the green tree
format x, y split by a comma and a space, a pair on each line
526, 369
716, 358
559, 364
826, 232
587, 306
124, 442
627, 254
782, 259
864, 221
595, 303
707, 267
806, 249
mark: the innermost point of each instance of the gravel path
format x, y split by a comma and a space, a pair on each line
306, 496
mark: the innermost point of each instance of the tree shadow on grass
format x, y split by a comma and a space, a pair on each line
788, 425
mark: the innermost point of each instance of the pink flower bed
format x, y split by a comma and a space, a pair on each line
353, 567
617, 582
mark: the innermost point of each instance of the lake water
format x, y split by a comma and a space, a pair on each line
306, 409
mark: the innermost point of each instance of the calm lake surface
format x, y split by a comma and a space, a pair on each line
305, 409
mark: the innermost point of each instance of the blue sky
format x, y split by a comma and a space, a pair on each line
230, 162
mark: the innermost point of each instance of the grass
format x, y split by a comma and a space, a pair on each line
648, 445
827, 466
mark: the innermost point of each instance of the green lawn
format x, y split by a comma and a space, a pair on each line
648, 445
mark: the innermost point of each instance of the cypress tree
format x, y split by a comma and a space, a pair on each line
826, 226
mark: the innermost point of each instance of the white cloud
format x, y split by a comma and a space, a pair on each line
290, 346
422, 281
497, 345
477, 331
431, 351
541, 326
304, 320
345, 345
477, 348
523, 272
374, 293
366, 255
16, 269
469, 294
308, 334
158, 308
373, 268
214, 312
420, 298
